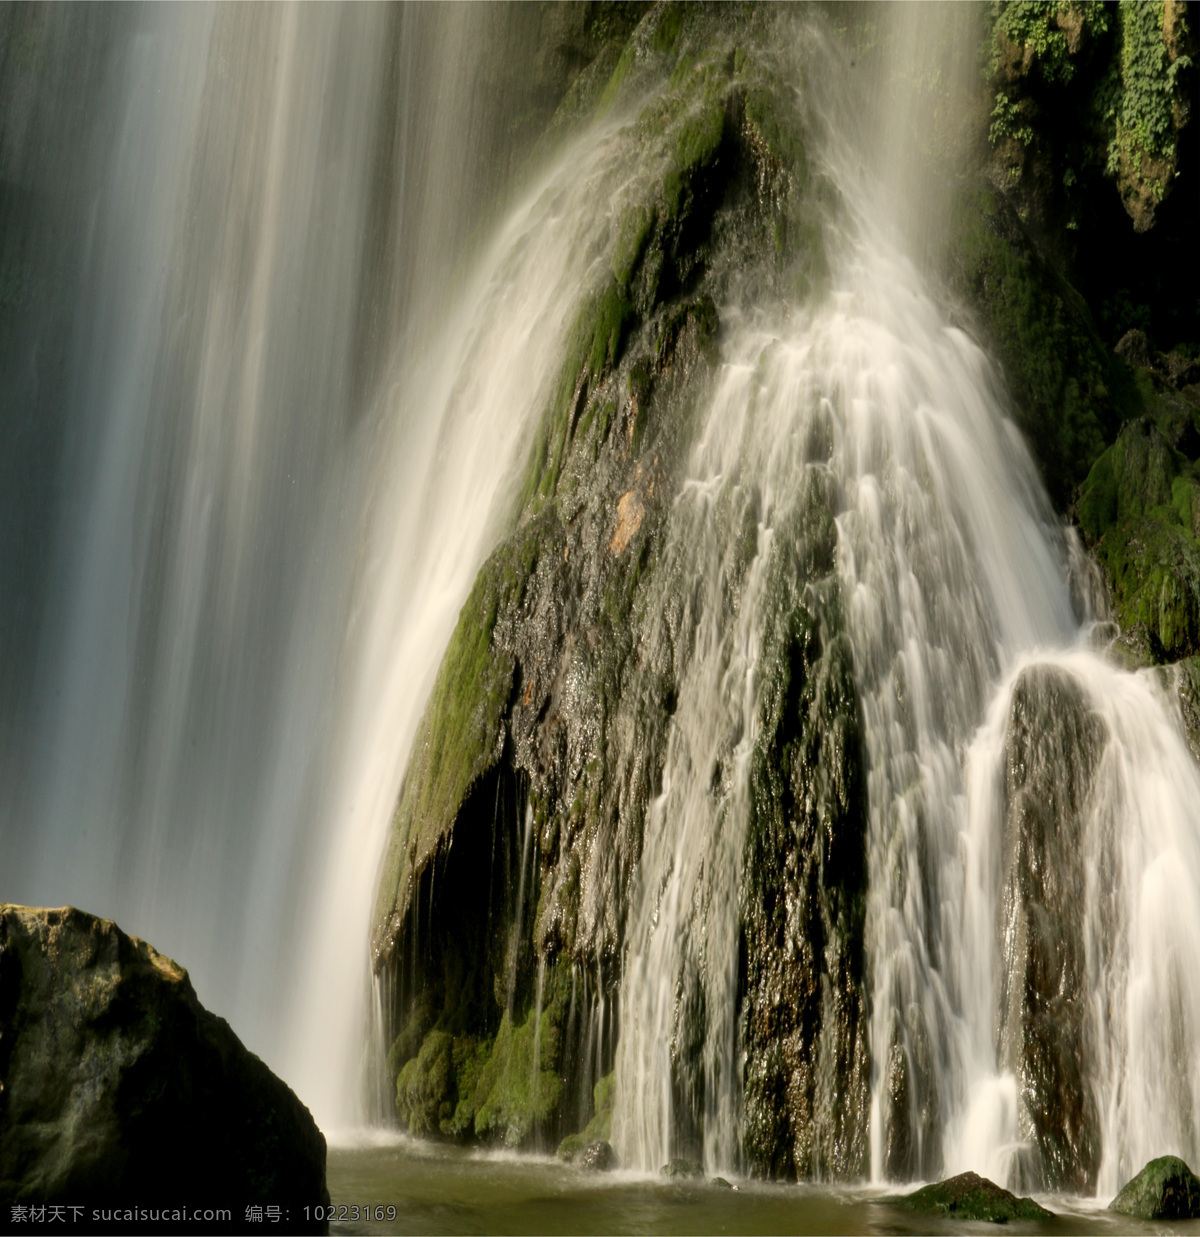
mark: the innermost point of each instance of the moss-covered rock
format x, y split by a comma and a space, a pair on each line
503, 1087
555, 696
599, 1128
1070, 394
969, 1197
683, 1170
1166, 1189
1140, 510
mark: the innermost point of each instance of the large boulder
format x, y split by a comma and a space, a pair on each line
970, 1197
118, 1087
1166, 1189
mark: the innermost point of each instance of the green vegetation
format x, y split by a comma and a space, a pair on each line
1070, 393
461, 734
1061, 69
599, 1128
1140, 507
505, 1088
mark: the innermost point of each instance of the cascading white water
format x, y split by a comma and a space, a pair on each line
275, 514
956, 578
273, 518
199, 572
1139, 920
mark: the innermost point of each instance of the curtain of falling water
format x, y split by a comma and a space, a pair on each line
956, 581
257, 200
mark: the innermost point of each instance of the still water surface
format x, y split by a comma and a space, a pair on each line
439, 1189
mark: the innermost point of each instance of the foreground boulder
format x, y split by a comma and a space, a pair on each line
119, 1088
1166, 1189
972, 1197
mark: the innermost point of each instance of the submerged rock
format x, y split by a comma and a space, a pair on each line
117, 1086
972, 1197
1166, 1189
597, 1157
682, 1168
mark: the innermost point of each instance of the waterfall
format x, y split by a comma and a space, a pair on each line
289, 372
975, 645
293, 417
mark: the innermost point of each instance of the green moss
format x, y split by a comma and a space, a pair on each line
611, 312
1166, 1189
1137, 507
417, 1021
505, 1087
696, 147
1070, 393
470, 1057
461, 734
612, 89
604, 1097
599, 1128
519, 1087
782, 140
969, 1197
667, 32
632, 235
425, 1087
594, 346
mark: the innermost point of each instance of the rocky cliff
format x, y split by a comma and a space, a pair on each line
503, 913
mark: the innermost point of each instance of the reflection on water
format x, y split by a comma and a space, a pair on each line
441, 1189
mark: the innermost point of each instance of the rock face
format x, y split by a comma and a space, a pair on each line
119, 1087
502, 922
1140, 509
1166, 1189
503, 909
972, 1197
1054, 744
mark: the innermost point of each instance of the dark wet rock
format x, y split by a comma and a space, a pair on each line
1053, 746
1134, 348
598, 1157
119, 1087
686, 1169
721, 1183
804, 1026
969, 1197
1187, 686
1166, 1189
